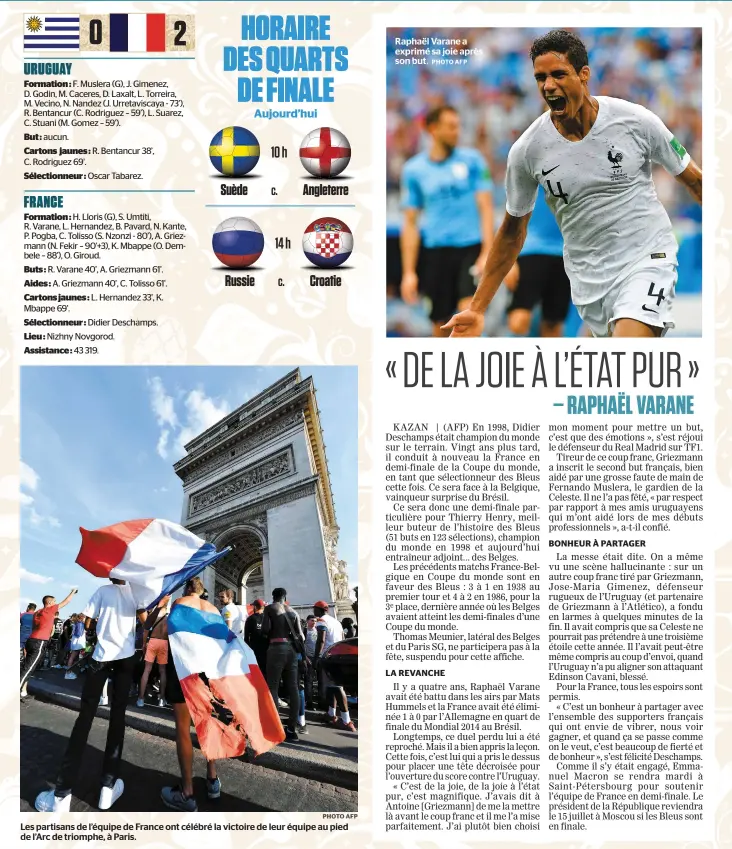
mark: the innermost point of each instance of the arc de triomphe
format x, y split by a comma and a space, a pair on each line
258, 480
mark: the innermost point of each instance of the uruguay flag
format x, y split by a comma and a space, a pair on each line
51, 32
224, 688
154, 556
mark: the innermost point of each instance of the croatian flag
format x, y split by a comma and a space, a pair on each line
154, 556
224, 688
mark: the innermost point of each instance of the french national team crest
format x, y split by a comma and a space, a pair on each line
616, 159
327, 242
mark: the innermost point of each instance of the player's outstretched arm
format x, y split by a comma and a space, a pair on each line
691, 177
505, 249
68, 598
484, 200
409, 244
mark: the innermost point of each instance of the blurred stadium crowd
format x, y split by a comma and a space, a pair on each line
496, 97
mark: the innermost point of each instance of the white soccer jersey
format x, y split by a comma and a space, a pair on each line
234, 616
600, 190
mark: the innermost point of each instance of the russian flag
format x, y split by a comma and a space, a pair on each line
224, 688
155, 556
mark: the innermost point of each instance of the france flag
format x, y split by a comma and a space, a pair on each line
155, 556
224, 688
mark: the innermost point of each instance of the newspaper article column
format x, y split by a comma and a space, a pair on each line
546, 566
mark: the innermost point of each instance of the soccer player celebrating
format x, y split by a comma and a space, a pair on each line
592, 156
446, 193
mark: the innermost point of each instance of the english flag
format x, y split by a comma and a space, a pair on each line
224, 689
154, 556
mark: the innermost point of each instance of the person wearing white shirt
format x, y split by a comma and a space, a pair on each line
115, 611
329, 631
593, 158
234, 615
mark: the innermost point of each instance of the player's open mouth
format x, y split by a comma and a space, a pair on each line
557, 103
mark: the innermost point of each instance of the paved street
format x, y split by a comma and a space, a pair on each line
52, 683
323, 750
150, 762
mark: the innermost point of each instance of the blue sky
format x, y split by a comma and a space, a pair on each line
98, 446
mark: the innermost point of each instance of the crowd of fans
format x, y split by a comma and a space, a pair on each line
495, 94
71, 641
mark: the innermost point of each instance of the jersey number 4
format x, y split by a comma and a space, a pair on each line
559, 193
658, 295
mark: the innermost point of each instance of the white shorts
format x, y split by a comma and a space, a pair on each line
78, 643
646, 295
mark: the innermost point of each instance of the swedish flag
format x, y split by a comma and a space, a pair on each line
234, 151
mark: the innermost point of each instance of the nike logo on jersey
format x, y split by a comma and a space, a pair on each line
648, 309
544, 173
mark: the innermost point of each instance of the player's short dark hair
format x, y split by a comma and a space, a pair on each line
46, 598
279, 593
31, 606
561, 41
434, 115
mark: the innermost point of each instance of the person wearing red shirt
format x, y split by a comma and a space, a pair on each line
35, 646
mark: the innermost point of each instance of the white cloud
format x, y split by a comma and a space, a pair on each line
162, 404
33, 577
28, 477
201, 411
162, 446
163, 407
38, 519
10, 490
204, 411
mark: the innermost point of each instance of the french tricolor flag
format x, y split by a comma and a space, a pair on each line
137, 33
224, 688
155, 556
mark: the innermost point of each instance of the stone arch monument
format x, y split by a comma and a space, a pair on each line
258, 480
243, 569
